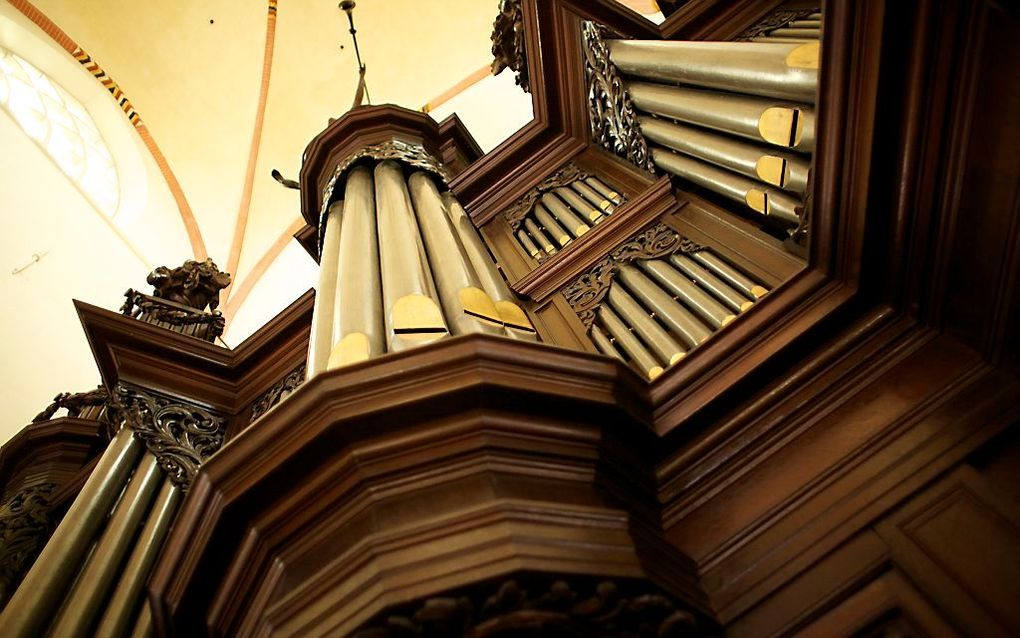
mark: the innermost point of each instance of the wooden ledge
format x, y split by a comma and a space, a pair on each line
481, 428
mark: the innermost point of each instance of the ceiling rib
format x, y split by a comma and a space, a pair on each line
244, 208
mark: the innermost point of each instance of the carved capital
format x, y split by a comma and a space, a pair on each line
586, 293
545, 607
24, 528
567, 175
278, 392
180, 435
508, 45
611, 113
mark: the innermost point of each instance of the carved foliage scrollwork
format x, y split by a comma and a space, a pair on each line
508, 45
24, 528
180, 435
774, 20
611, 113
558, 608
278, 392
408, 153
586, 293
567, 175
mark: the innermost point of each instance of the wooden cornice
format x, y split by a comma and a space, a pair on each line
129, 350
37, 442
433, 412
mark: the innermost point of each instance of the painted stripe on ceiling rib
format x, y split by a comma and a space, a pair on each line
244, 207
61, 38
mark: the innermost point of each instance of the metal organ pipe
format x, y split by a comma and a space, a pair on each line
777, 123
785, 170
755, 195
31, 607
468, 308
120, 612
357, 324
776, 70
413, 317
514, 319
321, 338
87, 595
678, 318
634, 315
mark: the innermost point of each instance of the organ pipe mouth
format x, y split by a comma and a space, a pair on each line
772, 170
354, 347
806, 56
781, 125
474, 302
513, 316
417, 318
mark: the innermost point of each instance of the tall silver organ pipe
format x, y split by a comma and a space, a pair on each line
785, 170
514, 319
411, 310
402, 265
33, 605
468, 308
762, 120
357, 327
657, 310
321, 338
755, 195
776, 70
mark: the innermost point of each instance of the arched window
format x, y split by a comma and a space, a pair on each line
62, 127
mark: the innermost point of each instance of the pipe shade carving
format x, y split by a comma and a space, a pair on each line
508, 44
608, 609
278, 392
179, 434
24, 525
611, 113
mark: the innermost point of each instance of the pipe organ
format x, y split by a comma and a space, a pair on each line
715, 436
401, 266
562, 209
734, 118
89, 579
651, 306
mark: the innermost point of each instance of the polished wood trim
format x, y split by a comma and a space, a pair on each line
227, 380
